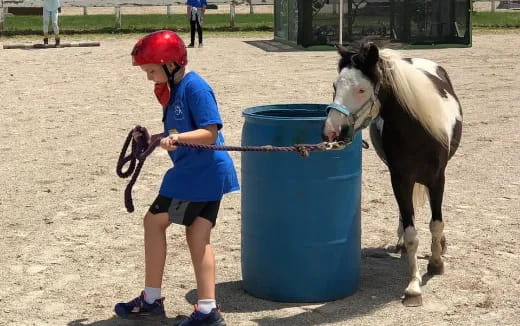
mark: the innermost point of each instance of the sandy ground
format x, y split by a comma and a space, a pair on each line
69, 251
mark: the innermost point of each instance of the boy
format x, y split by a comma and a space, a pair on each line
191, 190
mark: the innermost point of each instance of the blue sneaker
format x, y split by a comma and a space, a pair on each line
197, 318
140, 309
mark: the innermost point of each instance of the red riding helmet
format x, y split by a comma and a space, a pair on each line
160, 47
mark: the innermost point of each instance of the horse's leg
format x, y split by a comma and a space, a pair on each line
403, 191
376, 132
435, 264
400, 247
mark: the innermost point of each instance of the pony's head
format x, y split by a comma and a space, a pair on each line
355, 102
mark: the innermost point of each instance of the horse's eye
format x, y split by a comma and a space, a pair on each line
361, 91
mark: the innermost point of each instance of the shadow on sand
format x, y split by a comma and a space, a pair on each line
274, 46
116, 321
383, 278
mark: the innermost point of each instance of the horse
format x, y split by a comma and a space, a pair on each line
415, 123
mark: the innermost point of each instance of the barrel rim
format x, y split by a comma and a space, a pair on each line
251, 112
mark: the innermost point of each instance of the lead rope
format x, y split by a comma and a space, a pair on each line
144, 145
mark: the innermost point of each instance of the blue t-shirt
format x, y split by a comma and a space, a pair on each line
196, 3
197, 175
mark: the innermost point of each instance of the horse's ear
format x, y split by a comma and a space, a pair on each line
370, 53
342, 50
346, 55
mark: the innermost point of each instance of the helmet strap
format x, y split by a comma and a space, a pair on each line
171, 75
171, 78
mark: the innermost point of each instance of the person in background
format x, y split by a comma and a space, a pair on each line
50, 13
195, 10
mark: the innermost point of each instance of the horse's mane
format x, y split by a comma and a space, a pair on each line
415, 92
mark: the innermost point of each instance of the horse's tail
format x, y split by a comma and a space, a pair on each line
419, 195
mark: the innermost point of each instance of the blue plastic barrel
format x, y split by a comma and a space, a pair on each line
301, 232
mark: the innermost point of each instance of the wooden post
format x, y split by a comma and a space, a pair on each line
492, 5
169, 10
251, 11
350, 17
118, 17
85, 11
3, 13
232, 13
305, 37
2, 18
340, 22
49, 46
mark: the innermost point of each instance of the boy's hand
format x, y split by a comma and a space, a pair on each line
168, 143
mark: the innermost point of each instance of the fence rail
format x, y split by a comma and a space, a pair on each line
127, 3
117, 5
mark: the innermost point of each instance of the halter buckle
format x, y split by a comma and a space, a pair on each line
335, 145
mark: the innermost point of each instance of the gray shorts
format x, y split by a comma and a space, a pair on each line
184, 212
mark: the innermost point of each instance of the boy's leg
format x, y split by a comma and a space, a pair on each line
198, 237
155, 226
150, 304
202, 257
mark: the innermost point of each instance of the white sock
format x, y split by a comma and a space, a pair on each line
151, 294
205, 305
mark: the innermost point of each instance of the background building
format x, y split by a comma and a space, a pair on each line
318, 22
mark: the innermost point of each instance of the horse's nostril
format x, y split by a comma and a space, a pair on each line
344, 134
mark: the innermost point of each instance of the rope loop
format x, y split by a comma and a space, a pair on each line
142, 146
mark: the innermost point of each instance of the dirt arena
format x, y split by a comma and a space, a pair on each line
69, 251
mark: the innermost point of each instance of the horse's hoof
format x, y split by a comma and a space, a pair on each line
436, 269
412, 300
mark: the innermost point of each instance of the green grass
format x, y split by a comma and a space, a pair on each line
32, 25
16, 25
496, 19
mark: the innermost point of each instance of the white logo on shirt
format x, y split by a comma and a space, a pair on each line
177, 112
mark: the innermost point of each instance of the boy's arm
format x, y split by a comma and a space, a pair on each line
202, 136
188, 11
